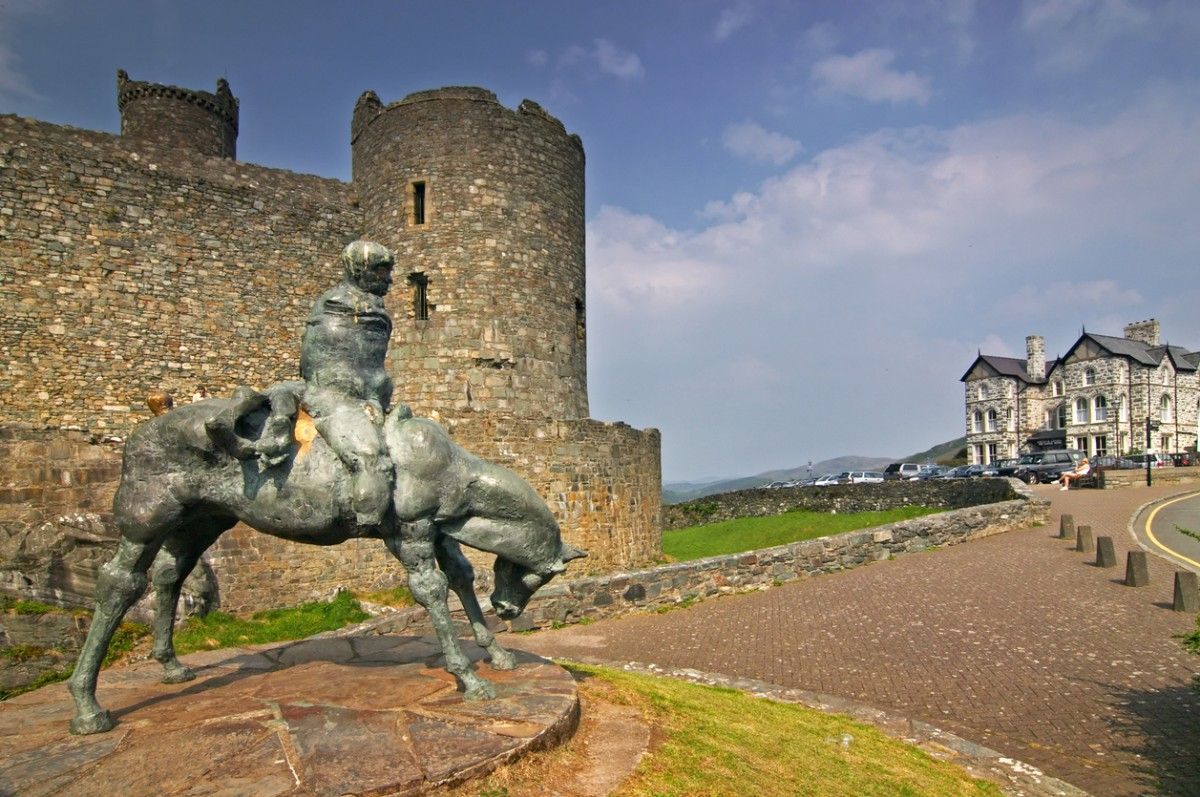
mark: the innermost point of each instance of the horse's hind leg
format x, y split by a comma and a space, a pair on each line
413, 544
120, 583
178, 557
461, 576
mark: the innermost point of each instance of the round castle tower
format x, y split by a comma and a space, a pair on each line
179, 118
484, 209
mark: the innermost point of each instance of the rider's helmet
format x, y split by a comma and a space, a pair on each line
369, 265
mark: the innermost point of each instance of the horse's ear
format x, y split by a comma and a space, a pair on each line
570, 552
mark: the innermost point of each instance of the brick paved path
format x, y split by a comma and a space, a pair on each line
1015, 642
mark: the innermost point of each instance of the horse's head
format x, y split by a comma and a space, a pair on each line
516, 583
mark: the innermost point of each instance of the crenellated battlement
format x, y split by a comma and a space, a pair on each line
177, 117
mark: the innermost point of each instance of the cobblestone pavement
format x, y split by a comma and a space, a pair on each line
1015, 642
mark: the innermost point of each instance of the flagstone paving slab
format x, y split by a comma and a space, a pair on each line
307, 718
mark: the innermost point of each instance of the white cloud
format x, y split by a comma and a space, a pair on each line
1073, 33
750, 141
875, 269
606, 56
537, 58
731, 20
1083, 299
820, 39
868, 75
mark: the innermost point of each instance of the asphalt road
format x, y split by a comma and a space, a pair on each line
1158, 530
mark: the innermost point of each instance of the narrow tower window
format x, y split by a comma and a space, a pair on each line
580, 320
418, 202
420, 285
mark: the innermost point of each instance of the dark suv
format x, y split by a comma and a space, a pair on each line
1043, 466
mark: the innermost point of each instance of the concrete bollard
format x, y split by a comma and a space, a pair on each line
1084, 542
1137, 570
1066, 527
1106, 554
1187, 593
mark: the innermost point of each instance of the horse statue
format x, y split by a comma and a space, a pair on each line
191, 473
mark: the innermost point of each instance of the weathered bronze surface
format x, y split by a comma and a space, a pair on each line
371, 470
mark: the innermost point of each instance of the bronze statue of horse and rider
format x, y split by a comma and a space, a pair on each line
320, 461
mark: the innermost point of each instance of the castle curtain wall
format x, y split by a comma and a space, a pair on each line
126, 268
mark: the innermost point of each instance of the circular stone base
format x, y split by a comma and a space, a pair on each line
362, 715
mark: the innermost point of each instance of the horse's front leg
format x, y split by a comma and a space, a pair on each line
413, 545
462, 580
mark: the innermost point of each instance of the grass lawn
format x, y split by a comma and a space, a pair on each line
216, 630
714, 741
752, 533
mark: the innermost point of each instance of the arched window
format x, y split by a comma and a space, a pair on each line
1060, 416
1164, 408
1089, 376
991, 420
983, 391
977, 421
1081, 410
1100, 409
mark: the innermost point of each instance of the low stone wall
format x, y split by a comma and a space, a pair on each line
1137, 478
620, 593
949, 494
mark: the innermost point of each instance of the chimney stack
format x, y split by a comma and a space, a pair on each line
1035, 358
1143, 331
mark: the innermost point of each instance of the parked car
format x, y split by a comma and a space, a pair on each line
1183, 459
828, 480
933, 472
1046, 466
866, 477
994, 468
901, 470
1113, 463
1156, 460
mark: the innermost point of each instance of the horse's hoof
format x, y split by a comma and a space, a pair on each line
100, 722
502, 659
481, 690
179, 675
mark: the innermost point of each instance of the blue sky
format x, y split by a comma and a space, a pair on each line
804, 219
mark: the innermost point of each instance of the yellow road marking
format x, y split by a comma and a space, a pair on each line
1150, 520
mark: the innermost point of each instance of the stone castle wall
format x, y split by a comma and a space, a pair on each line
602, 480
500, 248
128, 267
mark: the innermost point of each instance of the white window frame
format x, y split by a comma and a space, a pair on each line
1078, 417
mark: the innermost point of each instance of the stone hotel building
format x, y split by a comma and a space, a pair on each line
1097, 397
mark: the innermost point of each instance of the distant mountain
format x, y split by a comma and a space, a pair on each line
678, 492
948, 453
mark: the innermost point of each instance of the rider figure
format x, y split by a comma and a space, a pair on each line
347, 392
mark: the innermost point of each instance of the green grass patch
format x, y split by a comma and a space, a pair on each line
124, 639
713, 741
21, 606
721, 741
398, 597
221, 630
752, 533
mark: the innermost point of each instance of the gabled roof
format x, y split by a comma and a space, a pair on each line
1180, 358
1006, 366
1121, 347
